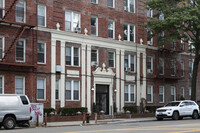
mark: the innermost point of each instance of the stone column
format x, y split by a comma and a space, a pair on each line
122, 80
138, 80
83, 73
53, 71
118, 79
89, 78
62, 77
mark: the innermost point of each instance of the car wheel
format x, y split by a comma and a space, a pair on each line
195, 115
9, 123
159, 119
175, 116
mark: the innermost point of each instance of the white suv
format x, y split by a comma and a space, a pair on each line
178, 109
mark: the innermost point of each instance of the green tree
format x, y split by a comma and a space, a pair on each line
181, 20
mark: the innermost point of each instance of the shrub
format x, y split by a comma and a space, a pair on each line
71, 111
132, 109
49, 110
152, 109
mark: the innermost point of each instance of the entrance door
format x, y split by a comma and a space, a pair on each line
102, 98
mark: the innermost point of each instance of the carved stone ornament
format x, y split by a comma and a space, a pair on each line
86, 31
119, 37
103, 71
141, 41
58, 27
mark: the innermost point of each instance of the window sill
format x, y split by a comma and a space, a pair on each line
41, 63
41, 100
72, 100
19, 61
72, 66
94, 3
129, 102
149, 102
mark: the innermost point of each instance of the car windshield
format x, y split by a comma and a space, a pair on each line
172, 104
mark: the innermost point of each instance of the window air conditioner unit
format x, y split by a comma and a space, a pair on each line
77, 30
190, 74
58, 68
94, 63
149, 71
149, 42
127, 69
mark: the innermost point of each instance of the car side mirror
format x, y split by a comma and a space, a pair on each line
181, 105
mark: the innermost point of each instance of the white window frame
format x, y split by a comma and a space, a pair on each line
3, 46
129, 93
182, 69
72, 56
151, 86
24, 41
190, 73
97, 25
173, 87
72, 90
41, 78
113, 59
58, 89
3, 7
45, 20
183, 91
129, 61
23, 80
150, 43
44, 53
113, 22
94, 2
113, 4
151, 63
151, 13
72, 20
163, 66
24, 12
97, 59
2, 76
128, 32
173, 65
162, 94
128, 6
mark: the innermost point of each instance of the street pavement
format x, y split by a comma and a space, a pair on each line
187, 125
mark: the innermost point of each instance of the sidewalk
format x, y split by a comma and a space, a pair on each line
105, 121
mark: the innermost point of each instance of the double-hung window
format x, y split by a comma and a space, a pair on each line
41, 53
149, 12
182, 44
111, 29
173, 68
149, 38
161, 94
111, 3
57, 89
129, 62
129, 5
72, 55
41, 88
72, 21
1, 84
182, 68
111, 59
94, 57
94, 1
20, 51
173, 94
2, 44
182, 92
94, 26
19, 85
2, 8
149, 64
41, 15
72, 91
129, 32
21, 11
150, 94
190, 68
161, 16
129, 93
161, 66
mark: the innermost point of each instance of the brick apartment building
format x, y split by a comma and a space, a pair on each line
73, 53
